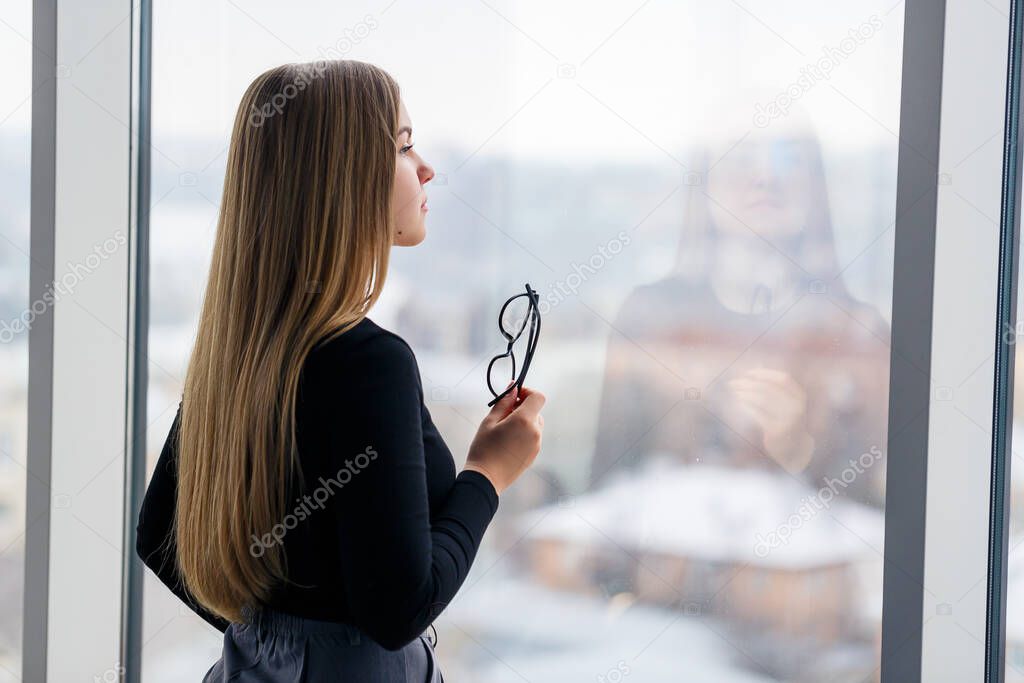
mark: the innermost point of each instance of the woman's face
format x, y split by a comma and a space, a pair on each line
762, 184
408, 198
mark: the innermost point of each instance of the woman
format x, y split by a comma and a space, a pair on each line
304, 502
751, 352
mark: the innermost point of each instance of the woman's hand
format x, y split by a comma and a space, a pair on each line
778, 404
509, 438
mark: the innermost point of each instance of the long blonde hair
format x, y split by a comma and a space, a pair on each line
301, 254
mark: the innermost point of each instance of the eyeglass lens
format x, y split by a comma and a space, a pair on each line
515, 316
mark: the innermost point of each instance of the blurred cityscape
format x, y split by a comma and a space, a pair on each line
652, 533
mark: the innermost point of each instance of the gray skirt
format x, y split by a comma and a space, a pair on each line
278, 647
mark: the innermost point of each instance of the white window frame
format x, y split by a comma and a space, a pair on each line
83, 348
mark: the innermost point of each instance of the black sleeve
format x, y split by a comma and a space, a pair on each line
154, 540
399, 571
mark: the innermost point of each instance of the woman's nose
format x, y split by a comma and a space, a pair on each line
763, 171
426, 173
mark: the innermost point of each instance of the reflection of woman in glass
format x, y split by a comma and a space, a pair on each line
751, 353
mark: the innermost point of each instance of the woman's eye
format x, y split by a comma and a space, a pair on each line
405, 148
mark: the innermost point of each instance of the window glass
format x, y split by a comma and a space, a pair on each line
15, 321
703, 195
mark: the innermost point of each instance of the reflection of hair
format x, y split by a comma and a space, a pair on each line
813, 249
301, 253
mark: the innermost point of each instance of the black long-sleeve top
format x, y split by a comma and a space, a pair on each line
384, 547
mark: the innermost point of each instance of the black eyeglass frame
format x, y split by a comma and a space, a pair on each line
533, 314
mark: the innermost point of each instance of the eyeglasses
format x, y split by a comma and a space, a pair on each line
512, 320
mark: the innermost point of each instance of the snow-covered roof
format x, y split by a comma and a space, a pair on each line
751, 516
543, 635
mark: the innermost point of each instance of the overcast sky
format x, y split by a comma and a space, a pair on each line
648, 76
